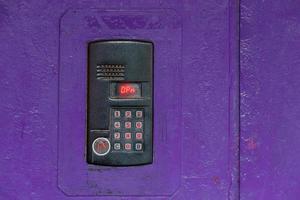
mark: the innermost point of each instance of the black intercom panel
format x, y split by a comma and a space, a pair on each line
119, 113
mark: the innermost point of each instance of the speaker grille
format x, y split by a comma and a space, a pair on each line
110, 72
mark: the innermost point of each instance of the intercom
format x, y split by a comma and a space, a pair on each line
119, 103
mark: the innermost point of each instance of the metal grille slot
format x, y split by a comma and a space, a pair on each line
110, 72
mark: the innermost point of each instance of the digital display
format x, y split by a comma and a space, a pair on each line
128, 90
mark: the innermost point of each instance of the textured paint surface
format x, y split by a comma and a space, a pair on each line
270, 109
30, 38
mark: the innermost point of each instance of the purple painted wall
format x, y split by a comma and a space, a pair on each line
43, 42
270, 109
197, 43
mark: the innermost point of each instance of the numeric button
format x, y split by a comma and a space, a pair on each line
117, 114
128, 114
127, 124
117, 146
127, 136
139, 125
127, 146
139, 136
139, 114
117, 125
117, 135
138, 146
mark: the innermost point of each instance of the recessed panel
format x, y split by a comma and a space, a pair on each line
122, 124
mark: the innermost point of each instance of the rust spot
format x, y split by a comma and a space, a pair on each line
216, 180
251, 143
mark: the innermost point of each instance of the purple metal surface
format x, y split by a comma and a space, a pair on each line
34, 162
270, 109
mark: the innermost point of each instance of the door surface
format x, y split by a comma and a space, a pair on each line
225, 101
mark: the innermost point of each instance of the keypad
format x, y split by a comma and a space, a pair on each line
127, 126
